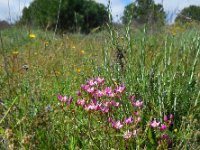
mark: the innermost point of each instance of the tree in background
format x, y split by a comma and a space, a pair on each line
188, 14
4, 24
83, 15
74, 15
144, 12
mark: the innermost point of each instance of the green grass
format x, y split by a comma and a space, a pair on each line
161, 69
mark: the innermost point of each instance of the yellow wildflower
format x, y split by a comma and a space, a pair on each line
15, 53
78, 70
46, 43
175, 130
32, 36
82, 52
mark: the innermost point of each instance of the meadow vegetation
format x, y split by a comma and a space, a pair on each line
114, 89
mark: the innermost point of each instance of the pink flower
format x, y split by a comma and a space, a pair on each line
164, 136
154, 123
163, 127
127, 135
110, 120
90, 90
80, 102
169, 142
136, 113
128, 120
120, 89
100, 80
132, 98
99, 93
115, 104
170, 122
165, 118
62, 98
94, 101
104, 109
106, 103
111, 95
91, 82
138, 119
91, 106
117, 124
83, 86
171, 116
108, 91
69, 101
78, 93
138, 104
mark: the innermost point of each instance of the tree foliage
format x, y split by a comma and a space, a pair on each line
191, 13
74, 15
144, 12
4, 24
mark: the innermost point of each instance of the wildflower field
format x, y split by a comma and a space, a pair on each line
116, 89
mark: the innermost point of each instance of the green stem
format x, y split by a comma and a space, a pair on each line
8, 110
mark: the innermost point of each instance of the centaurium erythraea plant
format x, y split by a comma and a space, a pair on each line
162, 128
96, 97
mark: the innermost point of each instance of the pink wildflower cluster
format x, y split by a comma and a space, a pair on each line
162, 127
130, 122
101, 98
94, 105
96, 88
126, 121
119, 124
95, 96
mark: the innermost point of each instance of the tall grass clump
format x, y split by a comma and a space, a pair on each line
163, 70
